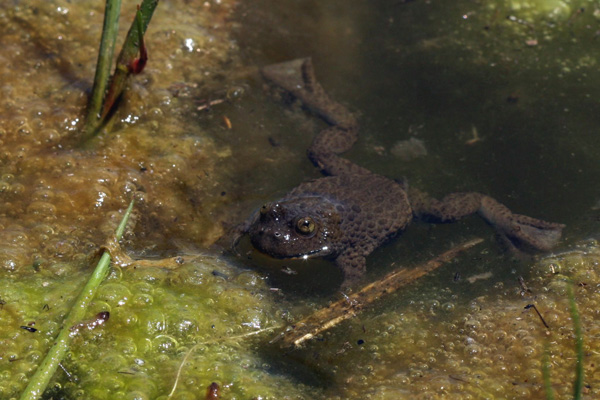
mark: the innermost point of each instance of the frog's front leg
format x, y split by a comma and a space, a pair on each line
521, 231
121, 259
117, 254
353, 266
240, 230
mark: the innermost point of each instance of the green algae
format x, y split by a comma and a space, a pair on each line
39, 381
152, 326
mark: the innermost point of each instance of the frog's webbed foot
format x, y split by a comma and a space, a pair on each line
521, 231
353, 266
120, 258
117, 254
297, 77
291, 76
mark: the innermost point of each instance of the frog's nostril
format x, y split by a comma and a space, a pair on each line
277, 234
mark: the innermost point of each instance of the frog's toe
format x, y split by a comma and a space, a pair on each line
293, 76
529, 233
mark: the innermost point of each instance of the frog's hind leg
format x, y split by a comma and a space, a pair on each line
520, 231
297, 77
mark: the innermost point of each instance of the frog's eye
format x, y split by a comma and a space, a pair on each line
305, 226
264, 209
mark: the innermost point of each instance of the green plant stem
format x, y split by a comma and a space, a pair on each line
546, 374
129, 52
39, 381
578, 384
105, 56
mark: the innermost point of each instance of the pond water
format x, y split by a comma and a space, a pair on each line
495, 97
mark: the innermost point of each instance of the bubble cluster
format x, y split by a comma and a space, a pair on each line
138, 351
55, 190
60, 202
491, 346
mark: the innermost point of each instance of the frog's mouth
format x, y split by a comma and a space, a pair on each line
310, 254
322, 252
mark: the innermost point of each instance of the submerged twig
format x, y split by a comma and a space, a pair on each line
524, 288
351, 305
39, 381
208, 104
222, 339
528, 306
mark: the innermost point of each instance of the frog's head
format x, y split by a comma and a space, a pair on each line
296, 228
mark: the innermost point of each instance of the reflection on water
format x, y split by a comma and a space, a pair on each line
500, 94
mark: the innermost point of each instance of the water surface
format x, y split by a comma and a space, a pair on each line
500, 95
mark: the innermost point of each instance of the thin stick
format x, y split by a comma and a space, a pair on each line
190, 351
105, 56
39, 381
351, 305
528, 306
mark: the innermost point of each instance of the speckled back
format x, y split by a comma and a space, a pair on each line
373, 207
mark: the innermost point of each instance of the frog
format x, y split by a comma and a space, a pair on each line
348, 213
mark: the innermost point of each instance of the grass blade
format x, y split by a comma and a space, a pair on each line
127, 64
578, 384
40, 379
105, 56
127, 59
546, 375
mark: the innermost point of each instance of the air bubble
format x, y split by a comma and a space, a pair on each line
8, 178
42, 209
114, 294
137, 395
142, 300
235, 93
165, 344
17, 189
